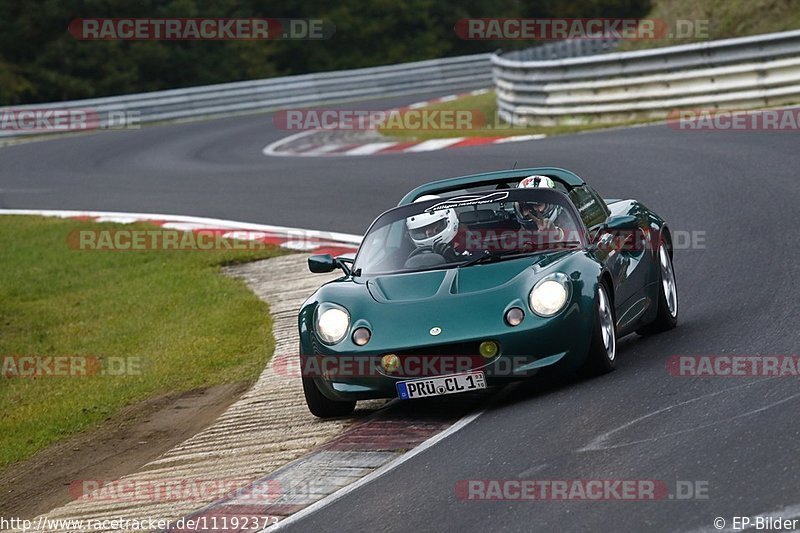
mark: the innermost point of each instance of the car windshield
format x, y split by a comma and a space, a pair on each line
469, 229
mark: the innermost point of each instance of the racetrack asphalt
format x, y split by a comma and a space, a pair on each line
738, 295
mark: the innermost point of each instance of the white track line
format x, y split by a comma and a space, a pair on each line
518, 138
322, 150
371, 148
117, 220
212, 222
185, 226
375, 147
272, 148
324, 502
433, 144
372, 476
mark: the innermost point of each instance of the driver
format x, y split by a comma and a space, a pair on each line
436, 230
539, 217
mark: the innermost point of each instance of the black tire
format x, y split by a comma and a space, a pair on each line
601, 358
320, 405
665, 318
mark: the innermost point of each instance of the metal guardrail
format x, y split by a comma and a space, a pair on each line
583, 83
578, 47
756, 71
463, 72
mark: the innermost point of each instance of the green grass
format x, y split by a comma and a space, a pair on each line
727, 19
171, 311
484, 105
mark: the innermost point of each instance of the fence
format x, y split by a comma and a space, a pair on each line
757, 71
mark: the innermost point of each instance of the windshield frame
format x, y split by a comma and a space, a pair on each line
462, 199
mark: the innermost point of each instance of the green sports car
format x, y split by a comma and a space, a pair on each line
474, 281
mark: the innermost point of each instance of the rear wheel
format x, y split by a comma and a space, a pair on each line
320, 405
667, 315
603, 348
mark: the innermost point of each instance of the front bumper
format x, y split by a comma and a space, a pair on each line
353, 374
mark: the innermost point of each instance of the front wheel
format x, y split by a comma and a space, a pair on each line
667, 315
603, 348
320, 405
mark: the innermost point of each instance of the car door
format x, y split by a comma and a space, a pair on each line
595, 215
629, 258
633, 248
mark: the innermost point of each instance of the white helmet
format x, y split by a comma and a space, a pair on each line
525, 211
431, 227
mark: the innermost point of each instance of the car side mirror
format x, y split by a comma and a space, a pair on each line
322, 263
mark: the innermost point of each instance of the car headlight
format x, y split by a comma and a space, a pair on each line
550, 294
333, 323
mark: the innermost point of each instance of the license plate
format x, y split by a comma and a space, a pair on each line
420, 388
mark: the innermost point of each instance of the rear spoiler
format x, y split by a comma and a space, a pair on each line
503, 179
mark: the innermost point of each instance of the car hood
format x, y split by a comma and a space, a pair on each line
400, 309
414, 286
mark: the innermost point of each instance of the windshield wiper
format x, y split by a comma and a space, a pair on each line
495, 255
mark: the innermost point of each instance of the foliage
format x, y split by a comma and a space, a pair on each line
40, 61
